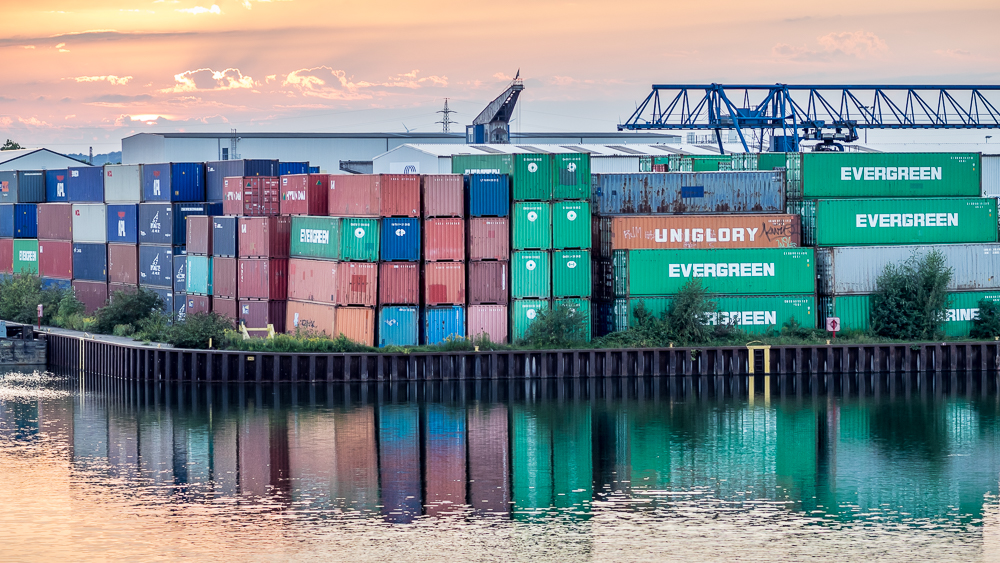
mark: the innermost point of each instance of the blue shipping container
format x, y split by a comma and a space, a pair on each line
400, 239
25, 220
22, 186
688, 192
85, 184
176, 181
156, 265
180, 274
53, 283
166, 223
199, 270
167, 296
181, 212
180, 306
224, 242
314, 169
123, 223
443, 322
488, 195
90, 262
55, 185
6, 220
398, 326
217, 171
293, 168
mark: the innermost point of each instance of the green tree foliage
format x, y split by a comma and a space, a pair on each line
688, 317
912, 299
21, 294
561, 327
197, 329
122, 315
987, 323
11, 146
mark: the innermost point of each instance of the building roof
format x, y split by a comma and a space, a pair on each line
595, 150
8, 156
458, 137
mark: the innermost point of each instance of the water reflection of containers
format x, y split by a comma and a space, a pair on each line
572, 471
399, 462
489, 460
444, 447
254, 454
225, 468
531, 459
156, 448
356, 480
312, 458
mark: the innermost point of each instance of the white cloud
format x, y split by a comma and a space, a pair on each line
115, 80
208, 79
201, 10
334, 84
844, 45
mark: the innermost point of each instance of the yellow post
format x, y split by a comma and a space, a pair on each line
752, 347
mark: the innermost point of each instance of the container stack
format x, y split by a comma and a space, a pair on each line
20, 192
531, 239
488, 248
199, 263
221, 296
571, 234
400, 266
122, 195
444, 272
85, 190
262, 275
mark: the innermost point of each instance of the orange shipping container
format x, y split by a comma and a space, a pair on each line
400, 195
311, 317
399, 283
699, 231
354, 195
356, 323
444, 195
489, 238
444, 239
444, 283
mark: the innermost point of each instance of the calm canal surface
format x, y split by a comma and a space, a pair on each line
605, 470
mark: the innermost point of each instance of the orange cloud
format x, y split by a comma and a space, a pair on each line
208, 79
111, 78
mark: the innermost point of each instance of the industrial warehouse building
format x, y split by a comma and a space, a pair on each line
35, 159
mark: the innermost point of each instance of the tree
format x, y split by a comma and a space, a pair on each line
11, 146
911, 299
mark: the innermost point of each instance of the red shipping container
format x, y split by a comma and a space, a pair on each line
198, 304
354, 195
93, 295
357, 283
489, 238
444, 195
305, 194
312, 280
199, 235
444, 283
264, 237
224, 277
444, 239
55, 259
356, 323
6, 256
232, 196
399, 283
263, 278
488, 320
400, 195
259, 314
123, 263
488, 282
114, 288
306, 317
254, 196
225, 306
55, 221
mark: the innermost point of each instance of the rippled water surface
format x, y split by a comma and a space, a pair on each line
605, 470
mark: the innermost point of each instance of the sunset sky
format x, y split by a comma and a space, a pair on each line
88, 72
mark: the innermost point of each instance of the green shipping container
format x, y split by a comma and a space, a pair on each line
571, 224
828, 174
771, 160
743, 271
619, 269
571, 273
532, 178
709, 163
26, 256
482, 164
522, 313
531, 275
315, 237
854, 311
749, 313
860, 222
806, 210
359, 240
532, 226
572, 176
579, 306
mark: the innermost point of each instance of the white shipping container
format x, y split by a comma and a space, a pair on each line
991, 175
847, 270
613, 164
123, 183
90, 222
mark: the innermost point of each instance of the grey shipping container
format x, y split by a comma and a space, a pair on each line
849, 270
123, 183
689, 192
22, 186
90, 222
991, 175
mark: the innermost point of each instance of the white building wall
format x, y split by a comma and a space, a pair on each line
144, 148
613, 164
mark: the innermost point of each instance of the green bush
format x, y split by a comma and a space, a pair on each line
197, 329
911, 299
987, 323
21, 294
688, 317
130, 308
561, 327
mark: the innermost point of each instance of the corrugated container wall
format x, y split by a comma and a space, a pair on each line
400, 195
489, 238
854, 311
848, 174
489, 195
359, 239
488, 321
198, 304
687, 192
55, 185
55, 259
227, 307
399, 283
123, 223
571, 224
444, 283
199, 234
123, 183
991, 175
571, 273
85, 184
572, 176
199, 275
93, 295
522, 313
305, 194
357, 324
354, 195
851, 222
533, 177
22, 186
399, 326
156, 222
259, 314
287, 168
25, 256
6, 256
578, 306
532, 226
7, 220
357, 283
224, 277
224, 236
755, 271
264, 237
123, 263
180, 274
90, 262
217, 171
443, 195
55, 221
699, 231
444, 239
482, 164
316, 237
307, 317
531, 275
313, 280
90, 222
19, 220
175, 181
443, 323
488, 282
263, 278
167, 296
156, 266
754, 314
400, 239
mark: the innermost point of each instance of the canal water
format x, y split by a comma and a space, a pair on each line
883, 468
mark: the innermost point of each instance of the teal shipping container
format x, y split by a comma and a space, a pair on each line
199, 275
398, 326
742, 271
848, 174
854, 311
862, 222
748, 313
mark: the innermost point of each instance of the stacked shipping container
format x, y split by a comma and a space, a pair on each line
444, 268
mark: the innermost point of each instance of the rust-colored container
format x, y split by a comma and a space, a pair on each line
6, 255
399, 283
263, 278
354, 195
198, 304
114, 288
444, 283
253, 196
226, 307
264, 237
259, 314
700, 231
490, 320
400, 195
93, 295
304, 194
357, 283
444, 239
55, 260
307, 316
224, 277
55, 221
488, 282
444, 195
313, 280
199, 235
123, 263
489, 238
356, 323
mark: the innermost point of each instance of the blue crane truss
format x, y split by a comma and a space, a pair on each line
814, 112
